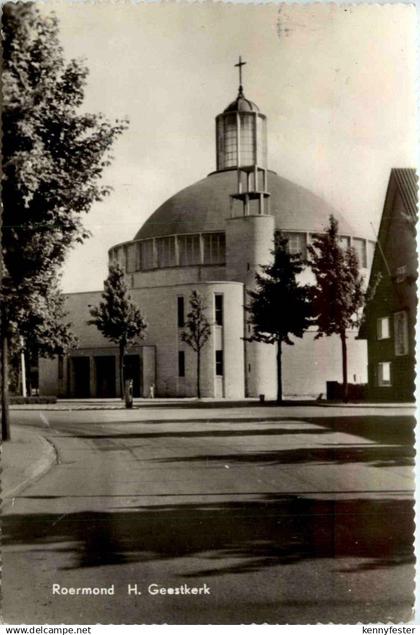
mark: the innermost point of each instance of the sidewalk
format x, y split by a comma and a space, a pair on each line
205, 403
24, 459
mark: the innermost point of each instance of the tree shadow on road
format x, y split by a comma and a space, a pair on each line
231, 537
338, 454
210, 432
382, 429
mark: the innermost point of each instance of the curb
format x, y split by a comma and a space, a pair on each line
209, 405
38, 469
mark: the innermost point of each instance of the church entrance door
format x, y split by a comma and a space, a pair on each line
80, 376
105, 376
132, 366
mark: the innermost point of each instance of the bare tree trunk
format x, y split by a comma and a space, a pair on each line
344, 359
23, 367
198, 374
5, 414
122, 354
279, 373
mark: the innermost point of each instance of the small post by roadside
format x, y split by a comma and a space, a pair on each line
128, 393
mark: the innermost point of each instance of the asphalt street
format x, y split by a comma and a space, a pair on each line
290, 515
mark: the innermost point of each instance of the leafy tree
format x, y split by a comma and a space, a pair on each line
280, 306
197, 330
338, 294
53, 159
45, 331
117, 317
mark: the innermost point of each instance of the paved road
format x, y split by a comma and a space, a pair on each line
286, 516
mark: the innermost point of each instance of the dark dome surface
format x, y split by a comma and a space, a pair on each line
205, 205
242, 104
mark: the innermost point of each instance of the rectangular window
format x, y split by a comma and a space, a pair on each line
219, 363
230, 139
147, 255
344, 242
122, 258
400, 333
370, 251
261, 141
247, 149
166, 251
131, 258
214, 248
359, 246
383, 328
384, 374
181, 311
296, 243
181, 363
138, 256
189, 250
218, 309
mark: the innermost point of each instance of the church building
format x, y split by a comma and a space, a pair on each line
212, 237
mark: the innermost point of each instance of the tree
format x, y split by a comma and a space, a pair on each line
53, 159
197, 330
117, 317
45, 332
280, 306
338, 294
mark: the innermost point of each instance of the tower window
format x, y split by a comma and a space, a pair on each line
181, 311
219, 363
218, 309
181, 363
261, 158
247, 139
227, 140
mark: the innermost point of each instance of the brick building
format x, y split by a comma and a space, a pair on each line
390, 316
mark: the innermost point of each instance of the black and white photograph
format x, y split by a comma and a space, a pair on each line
208, 311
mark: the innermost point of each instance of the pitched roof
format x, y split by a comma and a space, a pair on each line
405, 181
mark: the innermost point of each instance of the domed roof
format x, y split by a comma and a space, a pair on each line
205, 206
242, 104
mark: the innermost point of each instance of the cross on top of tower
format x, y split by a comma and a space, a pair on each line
239, 65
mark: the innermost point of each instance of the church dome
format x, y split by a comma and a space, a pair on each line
242, 104
205, 206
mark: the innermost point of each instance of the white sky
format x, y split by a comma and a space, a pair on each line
336, 83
